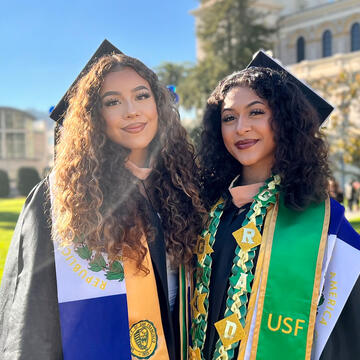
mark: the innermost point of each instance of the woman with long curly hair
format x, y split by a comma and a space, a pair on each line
270, 276
92, 270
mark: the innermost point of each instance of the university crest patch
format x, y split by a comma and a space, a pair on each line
143, 339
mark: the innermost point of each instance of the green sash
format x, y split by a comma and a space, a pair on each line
289, 286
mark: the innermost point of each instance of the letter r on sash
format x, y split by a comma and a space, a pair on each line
248, 236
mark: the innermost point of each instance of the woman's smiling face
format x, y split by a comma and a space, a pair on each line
246, 129
129, 109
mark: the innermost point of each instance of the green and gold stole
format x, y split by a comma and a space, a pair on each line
279, 320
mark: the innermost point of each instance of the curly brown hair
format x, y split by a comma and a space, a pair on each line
96, 198
301, 154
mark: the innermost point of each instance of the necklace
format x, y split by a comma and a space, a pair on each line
248, 237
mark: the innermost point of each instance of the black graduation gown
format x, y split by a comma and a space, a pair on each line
29, 314
343, 343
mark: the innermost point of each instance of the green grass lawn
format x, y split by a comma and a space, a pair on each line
9, 213
356, 224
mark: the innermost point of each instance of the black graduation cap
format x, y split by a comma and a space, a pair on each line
323, 108
105, 48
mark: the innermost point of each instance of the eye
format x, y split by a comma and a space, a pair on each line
228, 118
255, 112
111, 102
142, 96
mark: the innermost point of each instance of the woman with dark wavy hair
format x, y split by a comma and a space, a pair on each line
123, 207
271, 258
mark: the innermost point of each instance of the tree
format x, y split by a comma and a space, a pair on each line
229, 32
172, 73
27, 178
343, 91
200, 81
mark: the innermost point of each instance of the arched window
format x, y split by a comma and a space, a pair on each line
300, 49
355, 37
326, 43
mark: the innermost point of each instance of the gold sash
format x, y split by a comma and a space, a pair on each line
147, 339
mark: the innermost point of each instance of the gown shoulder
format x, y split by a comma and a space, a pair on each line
29, 316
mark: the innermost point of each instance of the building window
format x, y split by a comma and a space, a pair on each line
8, 119
355, 37
300, 47
326, 43
14, 120
15, 146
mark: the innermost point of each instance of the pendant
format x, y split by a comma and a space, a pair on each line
194, 354
230, 330
203, 247
247, 237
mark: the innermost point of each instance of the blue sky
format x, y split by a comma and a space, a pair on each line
45, 44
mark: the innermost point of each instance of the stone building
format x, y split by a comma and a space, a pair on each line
321, 38
315, 39
310, 30
23, 143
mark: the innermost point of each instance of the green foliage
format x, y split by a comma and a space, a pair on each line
4, 184
352, 147
230, 30
229, 34
201, 80
171, 73
27, 178
343, 91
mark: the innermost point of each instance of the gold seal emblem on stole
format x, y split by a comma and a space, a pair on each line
143, 339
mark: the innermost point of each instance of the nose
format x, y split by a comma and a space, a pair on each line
131, 110
242, 125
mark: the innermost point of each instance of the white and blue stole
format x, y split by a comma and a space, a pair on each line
102, 318
341, 269
93, 310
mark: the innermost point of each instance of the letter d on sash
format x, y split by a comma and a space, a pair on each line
230, 330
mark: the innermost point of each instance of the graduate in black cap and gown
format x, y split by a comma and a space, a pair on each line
95, 268
277, 263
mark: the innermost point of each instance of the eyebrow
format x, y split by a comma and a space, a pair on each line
247, 106
109, 93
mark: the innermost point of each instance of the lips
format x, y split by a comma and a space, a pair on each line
245, 144
134, 128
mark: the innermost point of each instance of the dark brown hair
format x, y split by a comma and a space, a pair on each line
97, 198
301, 155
